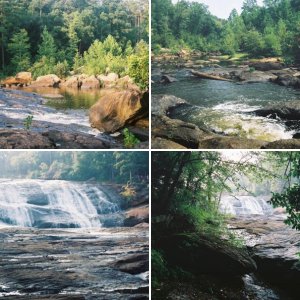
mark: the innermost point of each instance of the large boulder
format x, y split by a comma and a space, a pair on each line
72, 82
25, 76
117, 109
288, 80
288, 111
283, 144
46, 81
203, 254
180, 132
90, 83
108, 80
136, 216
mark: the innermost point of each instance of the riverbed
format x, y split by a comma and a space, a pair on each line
79, 264
227, 107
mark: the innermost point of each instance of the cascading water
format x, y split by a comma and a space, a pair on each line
245, 205
52, 204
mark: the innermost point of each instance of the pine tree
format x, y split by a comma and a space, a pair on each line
47, 47
19, 48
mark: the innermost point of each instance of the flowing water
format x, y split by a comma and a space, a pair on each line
226, 107
269, 240
54, 243
53, 203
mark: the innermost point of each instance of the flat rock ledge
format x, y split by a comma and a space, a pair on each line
23, 139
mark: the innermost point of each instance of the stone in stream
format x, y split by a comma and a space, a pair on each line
50, 80
117, 109
168, 79
90, 83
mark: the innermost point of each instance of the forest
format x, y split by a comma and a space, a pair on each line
195, 246
113, 167
79, 36
268, 30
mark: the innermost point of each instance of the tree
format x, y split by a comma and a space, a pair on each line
47, 47
19, 48
289, 198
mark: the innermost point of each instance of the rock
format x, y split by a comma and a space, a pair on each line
185, 134
136, 215
126, 83
90, 83
144, 123
46, 81
117, 109
72, 82
256, 76
23, 139
201, 254
168, 79
133, 264
108, 80
160, 143
288, 80
288, 111
267, 66
161, 104
26, 76
141, 133
283, 144
227, 142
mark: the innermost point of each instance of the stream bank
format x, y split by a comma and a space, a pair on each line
64, 116
232, 110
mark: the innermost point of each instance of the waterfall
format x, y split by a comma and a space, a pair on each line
53, 203
245, 205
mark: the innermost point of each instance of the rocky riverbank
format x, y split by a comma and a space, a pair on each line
74, 264
170, 132
121, 104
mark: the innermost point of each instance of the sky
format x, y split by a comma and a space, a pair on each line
223, 8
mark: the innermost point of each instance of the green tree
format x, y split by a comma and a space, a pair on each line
19, 48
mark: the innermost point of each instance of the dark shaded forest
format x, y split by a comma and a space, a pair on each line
91, 36
268, 30
113, 167
193, 249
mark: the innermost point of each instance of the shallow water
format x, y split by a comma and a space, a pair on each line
226, 107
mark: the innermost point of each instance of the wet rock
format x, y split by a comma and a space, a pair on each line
283, 144
186, 134
226, 142
117, 109
288, 80
133, 264
168, 79
267, 66
161, 104
53, 96
160, 143
136, 216
69, 265
288, 111
46, 81
90, 83
256, 76
201, 254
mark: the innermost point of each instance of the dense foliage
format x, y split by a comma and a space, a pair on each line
289, 197
118, 167
268, 30
81, 35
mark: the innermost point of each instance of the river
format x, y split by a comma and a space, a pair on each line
66, 240
226, 107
